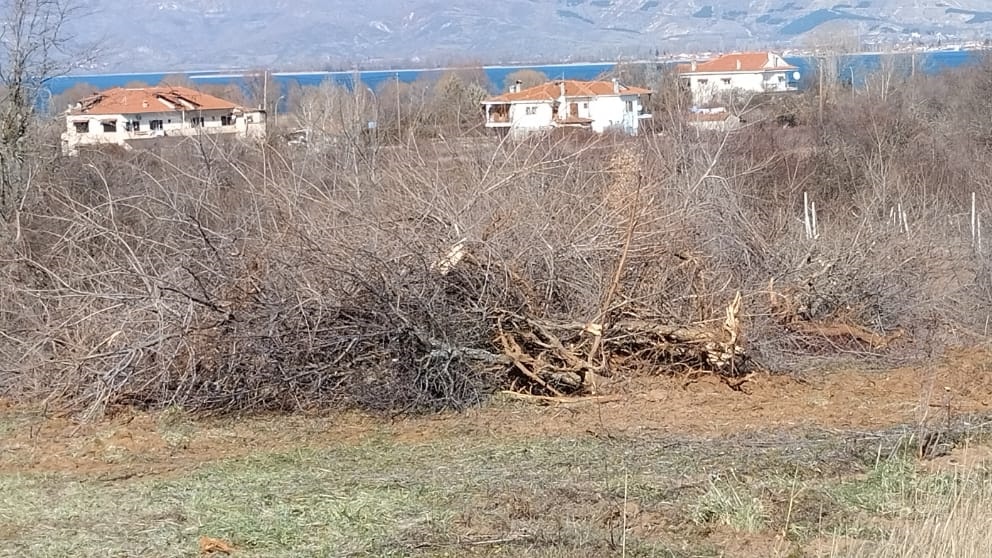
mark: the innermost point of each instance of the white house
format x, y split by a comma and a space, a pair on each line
595, 105
123, 116
754, 72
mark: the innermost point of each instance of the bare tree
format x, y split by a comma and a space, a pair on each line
36, 48
59, 102
527, 78
456, 99
831, 42
335, 115
262, 90
177, 80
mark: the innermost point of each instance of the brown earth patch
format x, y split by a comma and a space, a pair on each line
135, 443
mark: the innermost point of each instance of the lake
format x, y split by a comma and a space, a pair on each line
853, 68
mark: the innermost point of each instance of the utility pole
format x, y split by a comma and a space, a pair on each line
820, 92
265, 89
399, 114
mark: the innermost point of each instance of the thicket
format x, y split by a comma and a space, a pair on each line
408, 274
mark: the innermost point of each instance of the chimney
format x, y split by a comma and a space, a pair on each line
692, 67
561, 88
616, 85
738, 63
515, 88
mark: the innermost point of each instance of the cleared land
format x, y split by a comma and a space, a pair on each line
427, 269
824, 465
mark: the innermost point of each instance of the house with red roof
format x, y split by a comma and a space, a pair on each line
123, 116
598, 106
749, 72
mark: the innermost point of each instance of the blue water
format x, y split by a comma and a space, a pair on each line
854, 68
371, 78
858, 66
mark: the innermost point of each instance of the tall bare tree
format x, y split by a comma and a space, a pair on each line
35, 46
527, 78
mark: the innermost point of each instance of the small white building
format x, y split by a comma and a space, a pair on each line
713, 119
123, 116
752, 72
595, 105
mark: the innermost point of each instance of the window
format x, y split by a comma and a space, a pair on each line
726, 81
703, 81
630, 106
109, 126
585, 105
781, 79
530, 111
196, 121
155, 125
227, 120
132, 126
82, 126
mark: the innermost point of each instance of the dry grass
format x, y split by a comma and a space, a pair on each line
945, 517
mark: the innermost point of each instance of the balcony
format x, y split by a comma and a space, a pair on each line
498, 119
498, 115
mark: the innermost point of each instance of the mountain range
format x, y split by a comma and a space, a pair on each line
161, 35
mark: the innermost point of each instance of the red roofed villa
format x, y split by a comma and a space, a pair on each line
757, 72
595, 105
123, 115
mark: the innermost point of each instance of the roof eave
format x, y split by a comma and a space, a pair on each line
498, 101
762, 70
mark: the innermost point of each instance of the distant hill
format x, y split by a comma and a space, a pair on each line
151, 35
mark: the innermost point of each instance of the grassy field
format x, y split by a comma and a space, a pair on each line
383, 492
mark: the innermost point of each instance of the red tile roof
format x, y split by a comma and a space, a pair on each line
738, 62
165, 98
552, 90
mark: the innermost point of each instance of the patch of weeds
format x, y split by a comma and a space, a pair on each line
892, 488
176, 428
729, 502
372, 499
115, 455
317, 503
55, 515
7, 425
861, 531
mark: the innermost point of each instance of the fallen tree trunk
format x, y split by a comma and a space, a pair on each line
566, 358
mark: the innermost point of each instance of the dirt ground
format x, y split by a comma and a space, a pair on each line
137, 443
780, 467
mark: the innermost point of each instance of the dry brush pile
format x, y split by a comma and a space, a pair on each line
408, 278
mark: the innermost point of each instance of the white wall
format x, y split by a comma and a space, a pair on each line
173, 124
611, 112
541, 117
251, 124
606, 112
707, 86
727, 124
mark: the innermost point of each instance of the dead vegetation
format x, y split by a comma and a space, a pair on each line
424, 275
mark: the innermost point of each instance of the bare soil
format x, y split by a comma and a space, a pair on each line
139, 444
